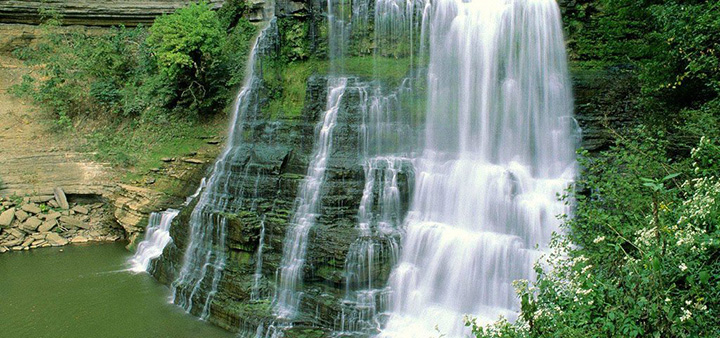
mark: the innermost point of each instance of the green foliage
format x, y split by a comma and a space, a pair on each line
188, 46
640, 258
86, 74
185, 65
295, 44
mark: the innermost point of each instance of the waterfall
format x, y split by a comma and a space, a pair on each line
385, 151
497, 149
288, 293
205, 256
157, 237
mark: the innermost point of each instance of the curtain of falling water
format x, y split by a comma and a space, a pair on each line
498, 148
289, 293
204, 258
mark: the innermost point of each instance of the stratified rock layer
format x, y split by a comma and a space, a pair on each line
92, 13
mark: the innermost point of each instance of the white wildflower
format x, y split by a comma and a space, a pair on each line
599, 239
686, 314
683, 267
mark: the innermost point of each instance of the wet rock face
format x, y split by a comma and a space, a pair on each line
269, 169
604, 100
92, 13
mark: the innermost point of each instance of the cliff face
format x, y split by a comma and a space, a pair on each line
91, 13
273, 162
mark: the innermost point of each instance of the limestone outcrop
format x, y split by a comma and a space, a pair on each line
91, 13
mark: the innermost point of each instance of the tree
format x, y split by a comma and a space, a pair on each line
188, 45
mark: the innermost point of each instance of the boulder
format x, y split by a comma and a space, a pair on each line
15, 233
6, 217
53, 215
27, 242
79, 239
21, 215
31, 208
73, 222
61, 199
13, 242
31, 224
41, 199
4, 249
55, 239
81, 210
47, 226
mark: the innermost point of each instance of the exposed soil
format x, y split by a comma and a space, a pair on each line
33, 158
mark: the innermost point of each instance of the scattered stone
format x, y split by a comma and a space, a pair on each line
96, 205
21, 215
61, 199
168, 159
79, 239
55, 240
192, 153
41, 199
15, 233
81, 210
51, 216
214, 141
14, 242
31, 224
193, 161
31, 208
6, 217
70, 222
150, 180
53, 204
47, 226
17, 248
4, 249
27, 242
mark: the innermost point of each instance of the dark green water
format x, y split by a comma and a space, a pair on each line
83, 291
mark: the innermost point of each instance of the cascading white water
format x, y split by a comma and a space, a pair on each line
288, 293
204, 259
385, 132
498, 148
157, 237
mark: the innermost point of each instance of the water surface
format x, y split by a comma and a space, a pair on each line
84, 291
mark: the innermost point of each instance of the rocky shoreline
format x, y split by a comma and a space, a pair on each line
51, 220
